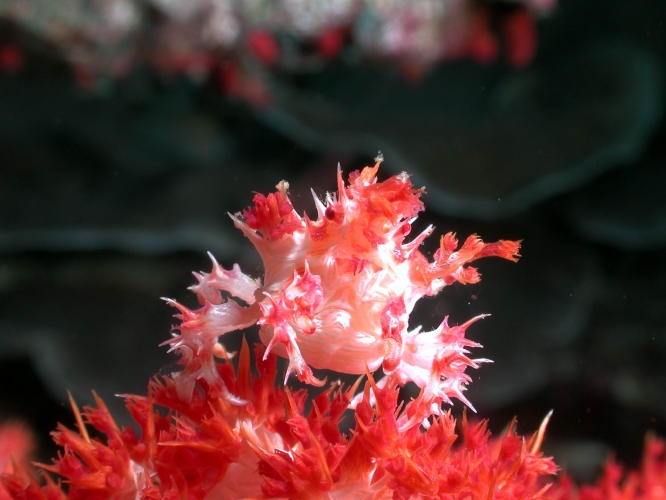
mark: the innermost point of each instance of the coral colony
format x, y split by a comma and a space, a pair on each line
336, 294
236, 42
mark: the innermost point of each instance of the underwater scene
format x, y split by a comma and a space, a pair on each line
332, 250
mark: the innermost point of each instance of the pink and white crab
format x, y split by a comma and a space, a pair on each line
337, 291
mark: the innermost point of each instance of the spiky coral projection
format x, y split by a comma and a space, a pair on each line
337, 294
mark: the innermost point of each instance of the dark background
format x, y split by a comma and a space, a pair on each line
109, 198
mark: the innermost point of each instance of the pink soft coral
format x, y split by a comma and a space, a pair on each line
337, 294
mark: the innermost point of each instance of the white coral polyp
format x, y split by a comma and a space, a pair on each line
338, 291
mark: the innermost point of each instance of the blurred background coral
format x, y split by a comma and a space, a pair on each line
129, 128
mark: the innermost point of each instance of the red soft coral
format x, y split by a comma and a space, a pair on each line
646, 483
16, 446
271, 447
